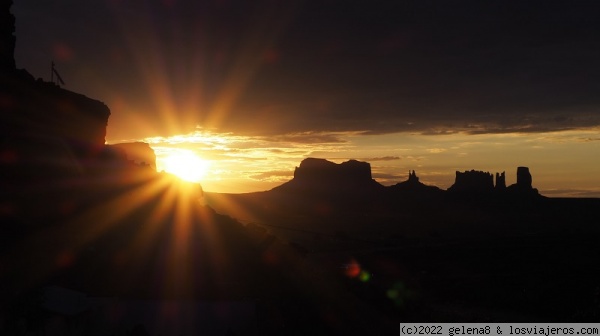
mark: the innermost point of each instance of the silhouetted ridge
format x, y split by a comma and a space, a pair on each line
320, 175
413, 187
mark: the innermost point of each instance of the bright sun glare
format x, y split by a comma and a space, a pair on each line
186, 165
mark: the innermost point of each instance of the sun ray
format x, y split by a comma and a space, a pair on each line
106, 215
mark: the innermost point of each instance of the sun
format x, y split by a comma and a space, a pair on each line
186, 165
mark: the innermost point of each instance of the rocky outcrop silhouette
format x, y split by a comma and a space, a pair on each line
52, 141
413, 187
501, 181
39, 108
139, 153
47, 133
477, 182
322, 176
44, 108
523, 187
524, 178
473, 181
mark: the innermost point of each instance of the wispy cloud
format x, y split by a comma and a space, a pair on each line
273, 176
382, 158
571, 192
310, 137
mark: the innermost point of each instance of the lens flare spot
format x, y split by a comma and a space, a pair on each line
353, 269
65, 259
364, 276
392, 293
399, 294
62, 52
8, 157
270, 258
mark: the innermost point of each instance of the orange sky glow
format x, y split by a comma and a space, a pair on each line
560, 162
436, 89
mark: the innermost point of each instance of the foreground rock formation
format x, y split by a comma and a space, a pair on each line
81, 221
52, 141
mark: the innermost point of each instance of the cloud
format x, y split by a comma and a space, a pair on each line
595, 193
382, 158
415, 158
273, 176
436, 150
476, 67
589, 139
308, 138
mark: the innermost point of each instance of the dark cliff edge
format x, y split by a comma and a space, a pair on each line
52, 142
81, 221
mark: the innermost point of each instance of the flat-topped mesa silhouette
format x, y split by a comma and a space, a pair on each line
473, 181
326, 177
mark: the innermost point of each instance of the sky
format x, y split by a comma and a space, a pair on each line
253, 87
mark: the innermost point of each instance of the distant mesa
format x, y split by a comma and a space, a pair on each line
353, 178
320, 169
322, 176
473, 181
477, 182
